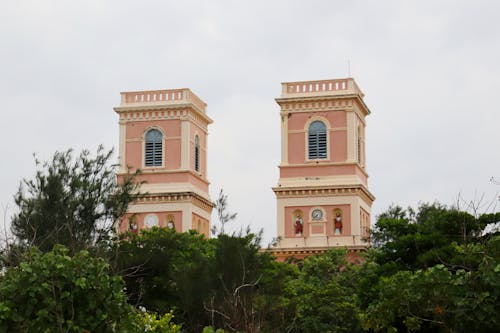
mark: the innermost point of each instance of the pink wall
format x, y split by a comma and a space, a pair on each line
162, 220
364, 219
320, 170
338, 145
177, 177
205, 226
297, 150
289, 228
195, 129
134, 146
297, 121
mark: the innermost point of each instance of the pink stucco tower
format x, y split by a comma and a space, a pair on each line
164, 133
322, 194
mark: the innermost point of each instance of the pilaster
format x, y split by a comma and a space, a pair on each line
122, 147
351, 137
185, 145
284, 138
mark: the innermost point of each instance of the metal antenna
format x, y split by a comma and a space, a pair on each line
348, 68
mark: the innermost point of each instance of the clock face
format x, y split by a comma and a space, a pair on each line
317, 214
151, 220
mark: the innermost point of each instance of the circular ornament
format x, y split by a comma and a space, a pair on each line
317, 214
151, 220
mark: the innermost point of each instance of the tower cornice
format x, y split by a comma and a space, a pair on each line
162, 100
321, 91
197, 199
321, 191
322, 103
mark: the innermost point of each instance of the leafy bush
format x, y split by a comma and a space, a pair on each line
54, 292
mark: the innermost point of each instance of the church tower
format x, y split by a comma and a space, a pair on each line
322, 194
164, 134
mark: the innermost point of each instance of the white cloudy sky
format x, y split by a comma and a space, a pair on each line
430, 71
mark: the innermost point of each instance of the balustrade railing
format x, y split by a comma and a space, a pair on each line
161, 97
322, 86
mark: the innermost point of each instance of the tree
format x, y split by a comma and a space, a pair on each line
323, 296
154, 323
433, 270
248, 287
408, 239
72, 201
165, 270
223, 282
441, 298
222, 213
54, 292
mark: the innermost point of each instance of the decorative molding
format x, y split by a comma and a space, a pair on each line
324, 163
290, 192
305, 252
326, 103
148, 113
333, 129
192, 197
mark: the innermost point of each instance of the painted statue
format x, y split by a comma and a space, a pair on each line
338, 224
299, 226
132, 226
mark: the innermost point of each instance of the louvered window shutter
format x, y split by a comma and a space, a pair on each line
197, 154
317, 140
153, 148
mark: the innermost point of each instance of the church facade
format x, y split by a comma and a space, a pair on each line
322, 192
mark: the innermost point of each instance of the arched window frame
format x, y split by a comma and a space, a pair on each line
160, 151
197, 161
308, 124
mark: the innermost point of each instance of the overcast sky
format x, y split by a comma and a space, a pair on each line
429, 69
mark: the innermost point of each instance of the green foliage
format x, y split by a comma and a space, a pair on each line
323, 296
424, 275
439, 299
155, 323
432, 271
72, 201
164, 270
406, 239
54, 292
224, 282
210, 329
248, 286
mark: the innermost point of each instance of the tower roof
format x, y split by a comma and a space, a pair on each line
320, 90
161, 99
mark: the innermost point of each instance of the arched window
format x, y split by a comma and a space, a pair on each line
153, 148
317, 140
197, 153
